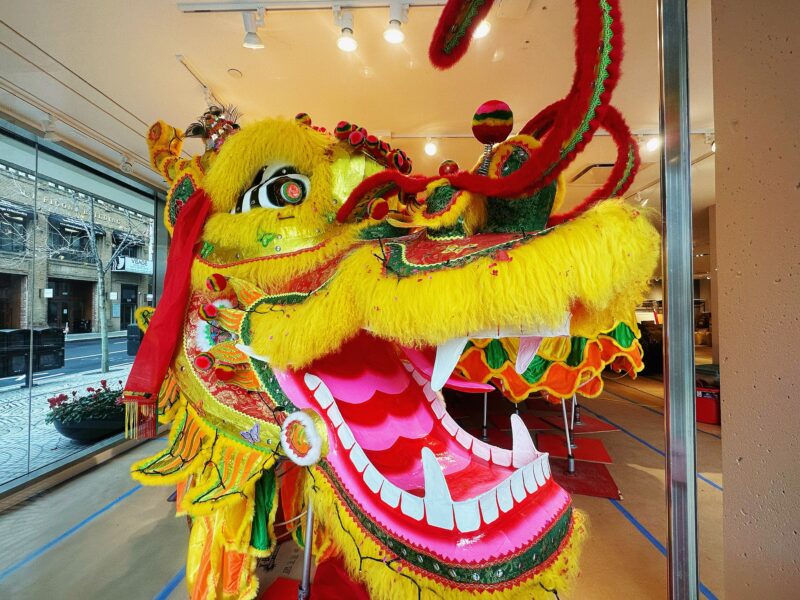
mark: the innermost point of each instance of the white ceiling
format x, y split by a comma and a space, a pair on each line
108, 68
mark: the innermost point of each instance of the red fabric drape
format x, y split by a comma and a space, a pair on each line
164, 331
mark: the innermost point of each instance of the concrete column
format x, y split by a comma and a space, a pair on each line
713, 300
756, 51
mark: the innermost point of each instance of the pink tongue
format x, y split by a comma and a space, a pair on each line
392, 421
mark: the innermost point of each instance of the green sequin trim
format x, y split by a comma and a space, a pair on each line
397, 264
267, 378
496, 573
461, 26
599, 86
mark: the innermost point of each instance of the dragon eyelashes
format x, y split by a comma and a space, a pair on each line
274, 186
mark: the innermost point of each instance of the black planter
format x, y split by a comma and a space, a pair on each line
89, 431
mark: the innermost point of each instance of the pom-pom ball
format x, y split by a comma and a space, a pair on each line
492, 122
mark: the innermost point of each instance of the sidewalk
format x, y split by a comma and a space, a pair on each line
26, 441
77, 337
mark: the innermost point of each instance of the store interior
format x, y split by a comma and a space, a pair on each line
78, 95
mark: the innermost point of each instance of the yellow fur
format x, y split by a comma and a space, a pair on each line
384, 583
586, 264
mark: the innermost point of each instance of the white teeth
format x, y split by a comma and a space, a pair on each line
346, 436
438, 503
407, 365
418, 377
390, 493
546, 466
334, 415
481, 449
463, 438
504, 499
372, 478
501, 456
529, 478
447, 357
523, 450
429, 393
467, 516
528, 347
358, 458
412, 506
518, 486
450, 424
488, 502
312, 381
321, 392
538, 470
438, 408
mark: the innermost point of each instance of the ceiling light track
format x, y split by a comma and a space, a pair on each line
287, 5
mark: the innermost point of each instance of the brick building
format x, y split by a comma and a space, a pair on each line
48, 271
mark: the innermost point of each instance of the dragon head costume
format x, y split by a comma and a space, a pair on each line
309, 280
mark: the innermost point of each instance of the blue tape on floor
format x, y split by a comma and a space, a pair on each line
171, 585
652, 539
654, 410
69, 532
646, 443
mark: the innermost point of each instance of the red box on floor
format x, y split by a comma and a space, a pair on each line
708, 410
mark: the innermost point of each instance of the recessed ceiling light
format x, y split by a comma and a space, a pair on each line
431, 148
482, 30
235, 73
653, 143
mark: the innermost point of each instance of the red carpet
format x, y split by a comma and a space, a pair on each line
589, 479
589, 449
587, 425
330, 583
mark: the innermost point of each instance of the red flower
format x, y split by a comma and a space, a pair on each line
104, 383
89, 389
57, 400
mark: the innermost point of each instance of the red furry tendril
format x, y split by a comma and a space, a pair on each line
456, 25
548, 162
620, 178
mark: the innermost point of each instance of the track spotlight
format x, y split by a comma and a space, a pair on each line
711, 141
252, 21
344, 20
431, 148
482, 30
125, 165
48, 127
398, 14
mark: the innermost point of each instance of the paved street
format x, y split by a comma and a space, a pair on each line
79, 356
26, 441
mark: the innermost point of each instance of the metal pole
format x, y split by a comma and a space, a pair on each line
304, 590
679, 386
485, 435
570, 458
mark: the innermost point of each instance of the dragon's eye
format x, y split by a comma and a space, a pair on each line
274, 186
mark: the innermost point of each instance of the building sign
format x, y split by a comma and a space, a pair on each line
133, 265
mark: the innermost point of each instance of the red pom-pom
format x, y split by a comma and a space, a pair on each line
303, 118
492, 122
208, 312
448, 167
217, 282
377, 208
356, 138
204, 361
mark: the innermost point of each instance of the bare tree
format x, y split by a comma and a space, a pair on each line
84, 247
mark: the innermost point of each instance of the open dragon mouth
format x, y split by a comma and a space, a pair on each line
399, 460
